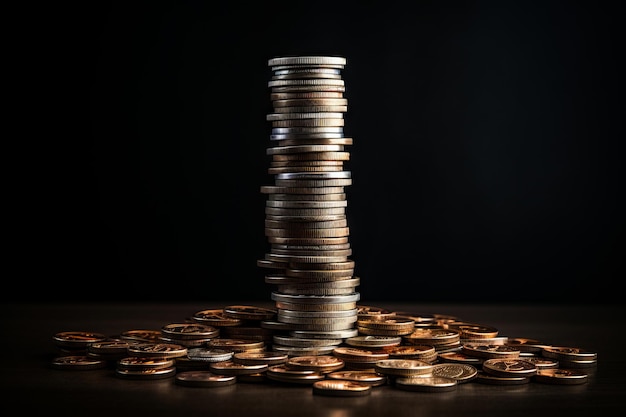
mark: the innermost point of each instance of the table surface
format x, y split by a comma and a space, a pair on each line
32, 385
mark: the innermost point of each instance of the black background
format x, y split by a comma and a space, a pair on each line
487, 161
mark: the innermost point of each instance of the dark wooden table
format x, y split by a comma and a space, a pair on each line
31, 387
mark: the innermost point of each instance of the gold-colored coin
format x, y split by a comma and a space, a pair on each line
403, 367
491, 351
509, 367
462, 373
428, 384
341, 388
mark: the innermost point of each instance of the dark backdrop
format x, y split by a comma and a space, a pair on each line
487, 161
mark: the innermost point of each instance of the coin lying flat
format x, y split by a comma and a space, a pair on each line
320, 363
524, 344
77, 363
458, 357
374, 341
365, 377
136, 362
233, 368
141, 335
215, 317
281, 373
154, 373
205, 379
208, 354
189, 331
259, 358
564, 353
509, 367
426, 384
460, 372
560, 376
341, 388
157, 350
491, 351
541, 362
403, 367
246, 312
486, 378
77, 339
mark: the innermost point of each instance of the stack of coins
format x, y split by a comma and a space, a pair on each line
306, 226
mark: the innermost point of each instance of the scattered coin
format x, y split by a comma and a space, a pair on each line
78, 363
487, 378
560, 376
205, 379
403, 367
462, 373
509, 367
426, 384
77, 339
341, 388
366, 377
149, 373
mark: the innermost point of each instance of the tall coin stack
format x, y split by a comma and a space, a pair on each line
309, 262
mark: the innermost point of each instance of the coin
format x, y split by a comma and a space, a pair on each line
374, 341
462, 373
136, 362
458, 357
78, 363
560, 376
327, 61
541, 362
215, 317
230, 367
473, 330
157, 350
524, 344
281, 373
403, 367
426, 384
321, 363
566, 353
246, 312
341, 388
366, 377
109, 347
208, 354
509, 367
236, 345
206, 379
189, 331
141, 335
487, 378
148, 373
491, 351
425, 353
257, 358
351, 354
77, 339
435, 337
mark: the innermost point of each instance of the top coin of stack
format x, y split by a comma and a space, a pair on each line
309, 261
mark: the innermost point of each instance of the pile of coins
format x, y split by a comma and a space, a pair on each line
306, 225
438, 354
